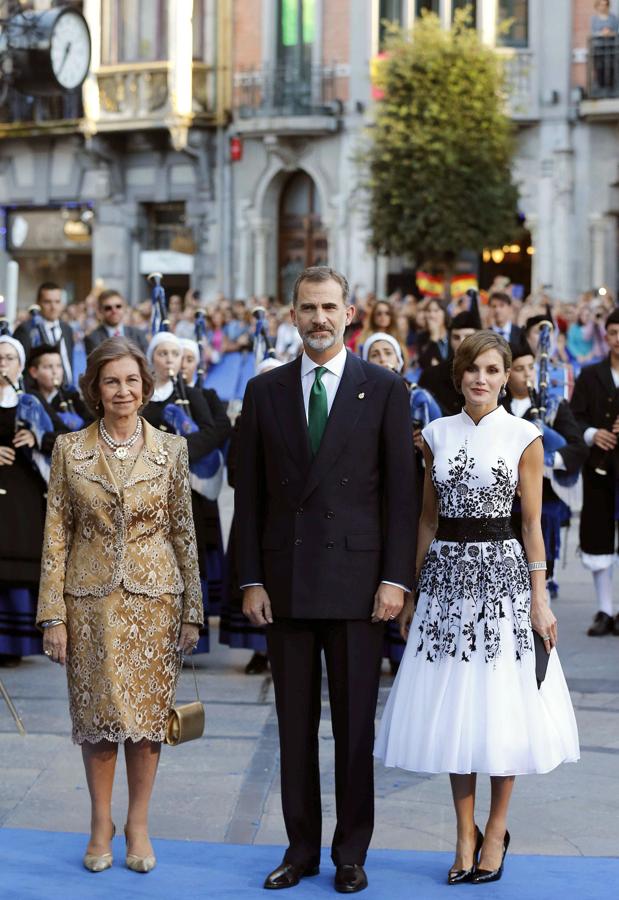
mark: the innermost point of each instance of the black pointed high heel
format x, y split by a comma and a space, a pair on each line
483, 876
462, 875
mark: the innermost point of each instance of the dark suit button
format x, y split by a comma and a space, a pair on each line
330, 545
329, 514
298, 542
300, 511
284, 482
343, 481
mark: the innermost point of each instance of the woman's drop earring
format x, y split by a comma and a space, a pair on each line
503, 392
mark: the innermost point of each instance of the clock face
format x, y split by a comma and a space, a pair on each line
70, 50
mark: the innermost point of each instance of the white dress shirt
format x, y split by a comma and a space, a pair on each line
331, 381
505, 331
115, 330
591, 432
55, 336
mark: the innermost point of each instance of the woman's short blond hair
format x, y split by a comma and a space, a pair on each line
108, 351
473, 346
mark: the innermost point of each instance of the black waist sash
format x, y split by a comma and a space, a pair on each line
475, 529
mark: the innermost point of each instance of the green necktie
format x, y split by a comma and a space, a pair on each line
318, 411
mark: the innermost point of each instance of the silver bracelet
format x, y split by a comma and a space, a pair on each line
49, 623
535, 566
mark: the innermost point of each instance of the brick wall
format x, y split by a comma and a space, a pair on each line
335, 39
335, 30
247, 34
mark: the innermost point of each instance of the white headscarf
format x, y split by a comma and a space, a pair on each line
188, 344
162, 337
268, 363
5, 339
382, 336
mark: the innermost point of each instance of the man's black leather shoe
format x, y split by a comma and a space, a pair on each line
602, 624
350, 879
287, 876
616, 625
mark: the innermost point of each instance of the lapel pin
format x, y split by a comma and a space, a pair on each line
361, 395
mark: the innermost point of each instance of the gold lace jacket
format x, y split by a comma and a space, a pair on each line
97, 539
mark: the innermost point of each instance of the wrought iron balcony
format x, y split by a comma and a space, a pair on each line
24, 115
603, 67
283, 91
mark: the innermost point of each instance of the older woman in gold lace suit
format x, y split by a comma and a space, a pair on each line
120, 590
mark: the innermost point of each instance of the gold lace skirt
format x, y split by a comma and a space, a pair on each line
122, 665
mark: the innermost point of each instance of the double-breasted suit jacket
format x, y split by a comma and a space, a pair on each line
595, 404
321, 533
99, 538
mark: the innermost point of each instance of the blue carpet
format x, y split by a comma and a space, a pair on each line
46, 865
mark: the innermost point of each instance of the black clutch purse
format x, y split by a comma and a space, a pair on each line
541, 658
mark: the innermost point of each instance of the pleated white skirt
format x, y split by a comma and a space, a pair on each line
451, 715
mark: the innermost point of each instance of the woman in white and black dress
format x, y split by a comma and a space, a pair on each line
466, 699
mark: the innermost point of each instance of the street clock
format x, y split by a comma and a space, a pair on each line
49, 51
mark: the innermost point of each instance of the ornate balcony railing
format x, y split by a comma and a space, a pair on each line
521, 83
20, 113
603, 67
145, 95
274, 91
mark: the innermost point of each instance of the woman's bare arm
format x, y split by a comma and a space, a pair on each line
530, 473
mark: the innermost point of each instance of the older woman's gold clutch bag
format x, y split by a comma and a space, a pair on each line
185, 722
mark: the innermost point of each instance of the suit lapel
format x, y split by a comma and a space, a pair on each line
347, 407
287, 398
94, 467
152, 460
605, 376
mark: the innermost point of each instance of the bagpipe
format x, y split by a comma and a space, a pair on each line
30, 414
423, 406
67, 412
206, 473
264, 343
37, 333
543, 412
200, 331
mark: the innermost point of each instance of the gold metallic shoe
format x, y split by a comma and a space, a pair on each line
142, 864
99, 863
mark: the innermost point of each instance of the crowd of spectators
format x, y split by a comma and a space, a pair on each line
419, 324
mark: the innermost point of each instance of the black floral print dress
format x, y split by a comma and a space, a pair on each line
466, 697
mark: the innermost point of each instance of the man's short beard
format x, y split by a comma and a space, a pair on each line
320, 343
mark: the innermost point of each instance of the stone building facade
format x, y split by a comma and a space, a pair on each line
214, 140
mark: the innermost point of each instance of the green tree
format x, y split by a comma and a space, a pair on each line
437, 160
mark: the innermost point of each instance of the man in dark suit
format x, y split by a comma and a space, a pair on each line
501, 315
595, 404
52, 329
112, 310
325, 518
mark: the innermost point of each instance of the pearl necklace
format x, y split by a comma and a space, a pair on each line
120, 448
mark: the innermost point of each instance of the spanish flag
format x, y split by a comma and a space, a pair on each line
430, 285
460, 284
